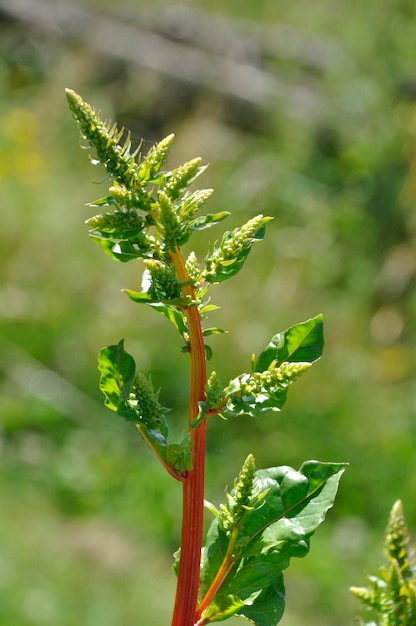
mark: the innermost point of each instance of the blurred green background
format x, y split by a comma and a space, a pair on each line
306, 111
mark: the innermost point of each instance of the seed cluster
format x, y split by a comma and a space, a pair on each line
273, 378
238, 502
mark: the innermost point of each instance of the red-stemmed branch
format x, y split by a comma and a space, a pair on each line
184, 613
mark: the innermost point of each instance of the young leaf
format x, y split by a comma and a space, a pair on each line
173, 314
133, 398
117, 369
286, 508
119, 250
206, 221
300, 343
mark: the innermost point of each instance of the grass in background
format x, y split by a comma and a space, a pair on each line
339, 180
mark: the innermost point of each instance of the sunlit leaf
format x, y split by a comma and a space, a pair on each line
213, 331
206, 221
118, 381
117, 369
300, 343
174, 315
119, 250
276, 528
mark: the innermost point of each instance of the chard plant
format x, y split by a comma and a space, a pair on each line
270, 514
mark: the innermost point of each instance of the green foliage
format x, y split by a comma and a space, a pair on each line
391, 596
270, 514
228, 257
132, 397
269, 518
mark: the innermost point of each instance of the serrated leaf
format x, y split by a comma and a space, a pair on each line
117, 369
300, 343
276, 528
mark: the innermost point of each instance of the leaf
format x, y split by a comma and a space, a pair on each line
107, 201
118, 383
206, 221
300, 343
222, 608
141, 296
287, 507
117, 369
119, 250
173, 314
213, 331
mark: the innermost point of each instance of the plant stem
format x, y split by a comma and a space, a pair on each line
193, 485
224, 570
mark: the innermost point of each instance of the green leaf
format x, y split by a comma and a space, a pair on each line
222, 608
119, 385
206, 221
107, 201
117, 369
141, 296
213, 331
300, 343
286, 508
173, 314
119, 250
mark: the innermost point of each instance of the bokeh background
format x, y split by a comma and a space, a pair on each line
306, 111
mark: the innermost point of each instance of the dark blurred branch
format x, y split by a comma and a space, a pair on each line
193, 47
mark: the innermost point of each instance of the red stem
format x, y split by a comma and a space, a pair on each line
184, 613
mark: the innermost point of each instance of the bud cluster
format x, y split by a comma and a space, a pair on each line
121, 224
192, 267
164, 284
172, 230
273, 378
228, 257
182, 177
105, 137
239, 500
214, 391
145, 404
397, 539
